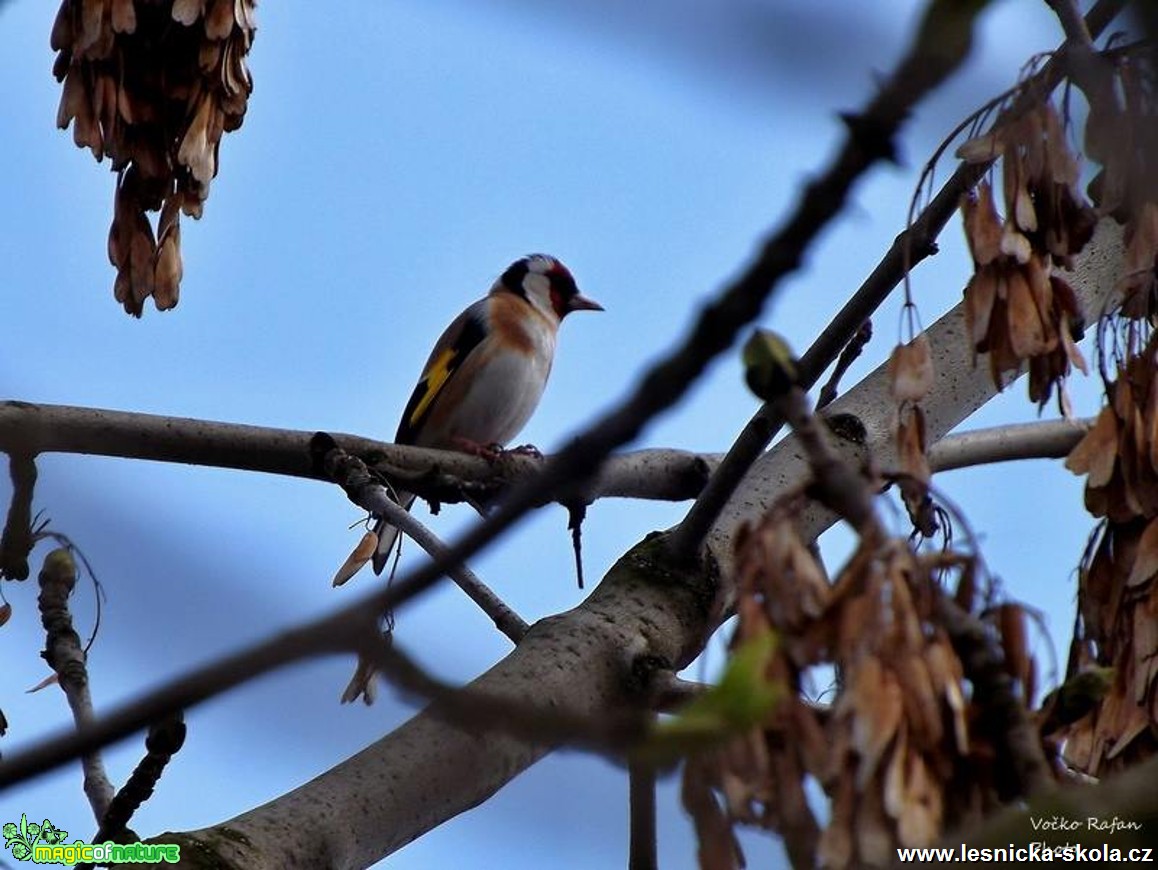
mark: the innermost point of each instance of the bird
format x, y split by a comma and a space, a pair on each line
487, 372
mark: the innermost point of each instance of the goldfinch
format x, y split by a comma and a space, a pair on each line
487, 371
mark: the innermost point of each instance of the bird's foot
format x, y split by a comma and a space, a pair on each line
526, 450
489, 452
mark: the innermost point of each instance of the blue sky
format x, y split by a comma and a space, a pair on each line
395, 157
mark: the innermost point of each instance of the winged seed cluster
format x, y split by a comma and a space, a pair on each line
1118, 582
895, 751
153, 84
1118, 579
1017, 307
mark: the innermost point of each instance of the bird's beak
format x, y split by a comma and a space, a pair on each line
582, 303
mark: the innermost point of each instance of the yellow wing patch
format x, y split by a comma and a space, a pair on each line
434, 378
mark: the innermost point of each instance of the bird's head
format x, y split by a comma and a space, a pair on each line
547, 284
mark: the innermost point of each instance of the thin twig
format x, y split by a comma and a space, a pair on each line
912, 246
848, 356
165, 739
642, 853
16, 541
1072, 22
667, 692
364, 490
1089, 70
64, 654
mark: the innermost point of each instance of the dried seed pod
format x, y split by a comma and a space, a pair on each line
153, 86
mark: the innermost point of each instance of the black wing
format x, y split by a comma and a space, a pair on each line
461, 337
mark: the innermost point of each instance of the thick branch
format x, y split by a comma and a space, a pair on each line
28, 429
1047, 439
429, 770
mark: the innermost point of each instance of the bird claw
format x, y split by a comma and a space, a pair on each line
494, 452
489, 452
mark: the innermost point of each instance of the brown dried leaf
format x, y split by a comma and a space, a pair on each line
982, 149
922, 710
980, 296
1145, 648
1014, 243
911, 445
1146, 560
1031, 136
1026, 334
946, 674
196, 152
1141, 250
72, 98
5, 613
1001, 356
1120, 722
167, 273
982, 225
835, 849
718, 849
1011, 629
142, 249
875, 843
1073, 354
876, 706
52, 679
1036, 274
92, 23
893, 784
124, 16
360, 555
910, 370
219, 22
1097, 452
1023, 212
919, 823
62, 33
1062, 165
188, 11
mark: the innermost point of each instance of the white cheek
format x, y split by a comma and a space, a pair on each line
538, 290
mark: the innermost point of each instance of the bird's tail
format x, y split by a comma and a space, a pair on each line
388, 534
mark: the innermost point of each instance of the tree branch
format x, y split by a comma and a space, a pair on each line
66, 656
917, 242
641, 803
364, 490
578, 665
866, 412
29, 429
16, 540
1048, 439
